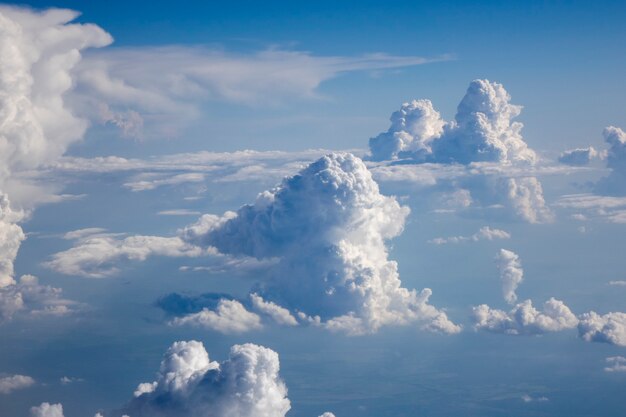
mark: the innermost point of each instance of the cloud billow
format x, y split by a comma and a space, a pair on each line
483, 131
328, 225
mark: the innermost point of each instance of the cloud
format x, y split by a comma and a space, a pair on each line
279, 314
11, 237
15, 382
328, 225
607, 328
511, 274
47, 410
28, 296
151, 184
611, 209
97, 255
525, 319
485, 233
578, 156
190, 385
229, 317
529, 399
178, 212
483, 130
616, 364
619, 283
615, 183
164, 86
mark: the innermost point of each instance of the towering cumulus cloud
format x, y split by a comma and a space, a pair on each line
483, 130
615, 183
190, 385
328, 225
38, 52
511, 274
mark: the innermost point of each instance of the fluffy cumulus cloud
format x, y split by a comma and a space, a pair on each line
578, 156
525, 319
615, 364
483, 130
188, 384
485, 233
15, 382
98, 254
511, 274
607, 328
328, 225
615, 183
230, 316
47, 410
28, 297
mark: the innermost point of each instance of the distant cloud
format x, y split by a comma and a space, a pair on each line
529, 399
29, 298
328, 225
482, 131
611, 209
190, 385
12, 383
615, 183
607, 328
47, 410
616, 364
578, 156
178, 212
229, 317
525, 319
279, 314
511, 274
619, 283
485, 233
97, 255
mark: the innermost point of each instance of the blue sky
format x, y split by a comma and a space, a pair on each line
255, 180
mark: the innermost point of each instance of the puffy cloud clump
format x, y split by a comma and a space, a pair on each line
328, 225
483, 131
615, 364
511, 274
29, 297
412, 130
11, 237
607, 328
190, 385
230, 316
525, 319
15, 382
615, 183
578, 156
47, 410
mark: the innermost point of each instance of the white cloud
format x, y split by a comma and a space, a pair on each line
279, 314
328, 225
485, 233
65, 380
615, 183
578, 156
11, 237
151, 184
28, 296
190, 385
529, 399
618, 283
607, 328
178, 212
611, 209
525, 319
229, 317
97, 255
165, 85
511, 274
616, 364
483, 130
15, 382
47, 410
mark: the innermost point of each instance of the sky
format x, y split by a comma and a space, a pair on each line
312, 209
